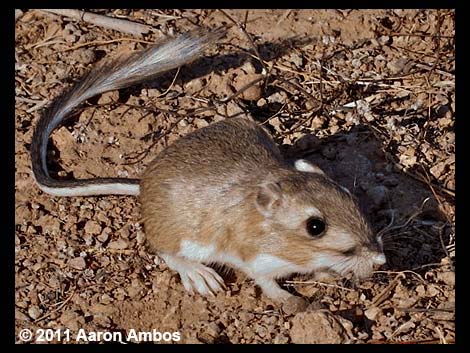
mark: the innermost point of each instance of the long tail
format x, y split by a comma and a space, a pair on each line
138, 67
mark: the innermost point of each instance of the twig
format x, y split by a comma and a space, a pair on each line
46, 43
382, 296
284, 16
103, 42
373, 99
56, 309
293, 283
37, 106
139, 156
428, 181
437, 39
403, 273
28, 100
441, 335
117, 24
168, 17
247, 35
275, 114
423, 341
171, 85
432, 264
418, 35
241, 90
400, 328
426, 310
444, 73
297, 86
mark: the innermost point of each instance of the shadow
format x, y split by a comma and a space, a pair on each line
220, 63
356, 160
198, 68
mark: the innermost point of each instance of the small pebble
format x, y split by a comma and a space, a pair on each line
78, 263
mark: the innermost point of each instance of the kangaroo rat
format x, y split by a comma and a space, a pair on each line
222, 194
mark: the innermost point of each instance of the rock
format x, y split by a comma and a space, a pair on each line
281, 339
261, 331
194, 86
296, 59
447, 277
72, 320
317, 327
34, 312
253, 93
372, 313
22, 214
119, 244
104, 236
63, 140
307, 143
87, 56
318, 122
246, 316
140, 237
92, 227
378, 194
294, 305
432, 290
213, 329
384, 40
316, 305
106, 299
398, 66
261, 102
278, 97
438, 170
20, 316
124, 232
248, 67
109, 97
420, 290
77, 263
103, 309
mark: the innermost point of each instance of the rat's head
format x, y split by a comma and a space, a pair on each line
313, 222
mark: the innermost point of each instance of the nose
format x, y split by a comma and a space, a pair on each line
379, 259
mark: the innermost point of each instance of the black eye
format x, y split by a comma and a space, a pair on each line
315, 227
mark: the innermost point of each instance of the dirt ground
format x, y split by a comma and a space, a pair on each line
369, 95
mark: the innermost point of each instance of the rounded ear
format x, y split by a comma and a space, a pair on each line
269, 199
302, 165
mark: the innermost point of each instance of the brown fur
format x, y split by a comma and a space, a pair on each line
197, 188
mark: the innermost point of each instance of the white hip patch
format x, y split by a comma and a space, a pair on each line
208, 253
303, 165
196, 252
271, 266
